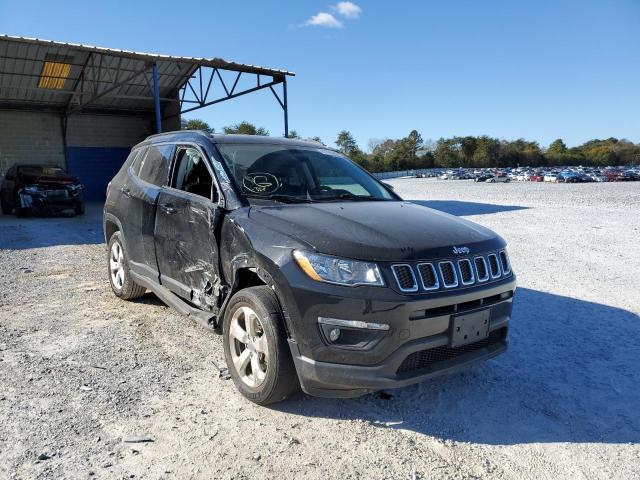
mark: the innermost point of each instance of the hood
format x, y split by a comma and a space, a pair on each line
380, 231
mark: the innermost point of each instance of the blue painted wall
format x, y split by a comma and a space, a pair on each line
95, 167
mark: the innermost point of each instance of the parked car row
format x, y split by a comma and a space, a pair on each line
539, 174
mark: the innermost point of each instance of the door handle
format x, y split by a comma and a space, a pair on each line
168, 208
125, 191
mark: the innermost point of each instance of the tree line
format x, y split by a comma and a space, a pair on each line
412, 152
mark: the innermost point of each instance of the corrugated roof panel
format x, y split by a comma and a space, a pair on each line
22, 61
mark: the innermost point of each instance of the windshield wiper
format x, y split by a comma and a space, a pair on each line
282, 198
351, 196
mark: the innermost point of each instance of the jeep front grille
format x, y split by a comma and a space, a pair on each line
448, 274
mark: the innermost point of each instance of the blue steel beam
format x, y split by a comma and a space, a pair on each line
156, 99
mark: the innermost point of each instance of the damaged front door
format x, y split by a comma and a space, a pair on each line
187, 220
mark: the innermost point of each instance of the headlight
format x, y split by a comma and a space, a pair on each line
341, 271
30, 188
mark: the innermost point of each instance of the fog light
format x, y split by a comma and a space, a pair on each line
334, 334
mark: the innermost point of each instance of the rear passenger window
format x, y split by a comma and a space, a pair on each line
137, 157
153, 166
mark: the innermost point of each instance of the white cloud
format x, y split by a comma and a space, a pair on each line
324, 19
348, 9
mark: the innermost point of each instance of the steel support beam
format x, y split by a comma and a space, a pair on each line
234, 95
109, 90
285, 107
156, 99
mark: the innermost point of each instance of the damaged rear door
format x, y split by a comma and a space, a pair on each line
188, 217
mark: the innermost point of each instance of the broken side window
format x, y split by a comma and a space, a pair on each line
192, 174
154, 167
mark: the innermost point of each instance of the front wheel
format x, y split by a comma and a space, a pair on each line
256, 348
79, 208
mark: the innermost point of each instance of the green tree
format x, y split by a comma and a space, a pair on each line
294, 134
346, 143
195, 124
557, 147
245, 128
486, 153
414, 142
447, 153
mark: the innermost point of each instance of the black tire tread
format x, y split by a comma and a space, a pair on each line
130, 290
286, 378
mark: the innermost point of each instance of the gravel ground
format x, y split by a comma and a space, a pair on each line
82, 372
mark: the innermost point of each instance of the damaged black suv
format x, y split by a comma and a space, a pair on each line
316, 274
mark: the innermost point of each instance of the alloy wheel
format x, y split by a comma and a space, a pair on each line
248, 346
116, 265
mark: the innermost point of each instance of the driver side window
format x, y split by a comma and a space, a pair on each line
191, 174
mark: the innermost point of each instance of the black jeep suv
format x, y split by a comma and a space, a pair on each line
315, 273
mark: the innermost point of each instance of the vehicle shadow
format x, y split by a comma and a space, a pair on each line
39, 231
461, 209
571, 374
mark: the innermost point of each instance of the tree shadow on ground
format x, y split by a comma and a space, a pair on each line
461, 209
571, 374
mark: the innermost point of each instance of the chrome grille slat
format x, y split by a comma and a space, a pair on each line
404, 273
494, 265
504, 262
448, 270
482, 271
466, 272
429, 271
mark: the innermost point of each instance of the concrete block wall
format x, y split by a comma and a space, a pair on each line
30, 137
107, 130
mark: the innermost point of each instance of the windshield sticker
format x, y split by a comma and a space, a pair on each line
261, 183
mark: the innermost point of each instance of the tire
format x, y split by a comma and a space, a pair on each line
18, 210
254, 314
79, 208
120, 279
6, 208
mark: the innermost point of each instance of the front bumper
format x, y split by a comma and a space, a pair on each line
416, 347
335, 380
40, 202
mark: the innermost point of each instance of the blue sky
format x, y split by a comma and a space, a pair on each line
539, 69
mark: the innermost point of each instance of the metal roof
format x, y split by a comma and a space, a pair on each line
68, 77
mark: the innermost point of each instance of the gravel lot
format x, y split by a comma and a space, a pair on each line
81, 372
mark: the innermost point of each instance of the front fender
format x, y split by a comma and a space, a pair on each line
247, 246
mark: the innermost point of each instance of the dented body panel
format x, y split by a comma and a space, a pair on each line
187, 248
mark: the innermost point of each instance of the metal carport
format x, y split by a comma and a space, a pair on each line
88, 88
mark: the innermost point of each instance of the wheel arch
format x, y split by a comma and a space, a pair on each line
111, 224
247, 273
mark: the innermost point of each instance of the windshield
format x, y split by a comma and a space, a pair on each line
298, 174
42, 170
